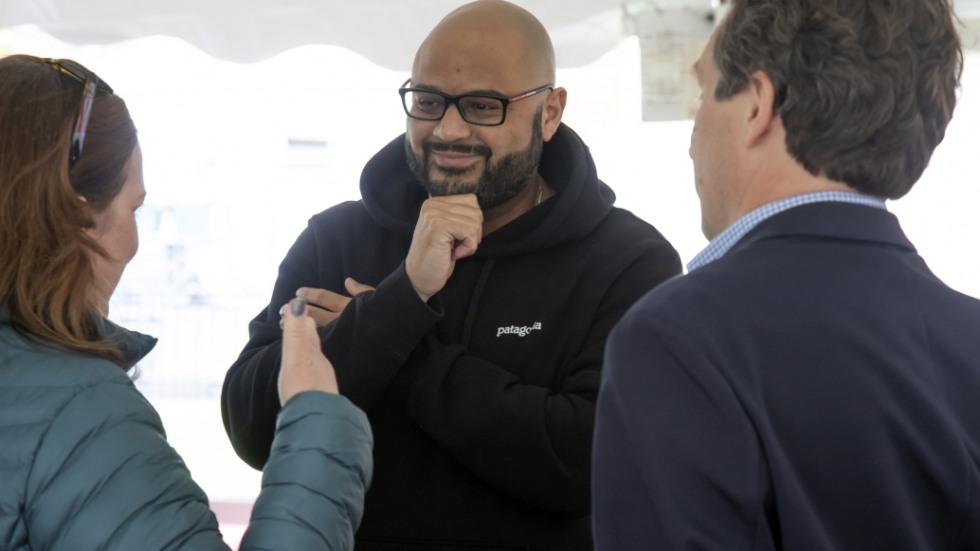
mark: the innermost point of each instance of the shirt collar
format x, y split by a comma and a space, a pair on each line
733, 233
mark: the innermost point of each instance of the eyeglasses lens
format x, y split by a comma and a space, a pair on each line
474, 109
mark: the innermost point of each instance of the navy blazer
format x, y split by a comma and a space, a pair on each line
815, 388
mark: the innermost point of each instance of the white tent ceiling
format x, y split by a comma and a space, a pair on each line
386, 32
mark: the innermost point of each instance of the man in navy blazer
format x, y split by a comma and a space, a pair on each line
809, 384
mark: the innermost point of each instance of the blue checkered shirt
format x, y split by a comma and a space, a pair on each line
726, 239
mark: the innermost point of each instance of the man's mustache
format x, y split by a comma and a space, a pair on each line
483, 150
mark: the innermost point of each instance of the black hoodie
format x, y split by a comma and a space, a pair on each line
482, 400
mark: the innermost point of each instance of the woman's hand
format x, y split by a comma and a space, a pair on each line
304, 367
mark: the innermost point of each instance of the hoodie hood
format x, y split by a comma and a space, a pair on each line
392, 196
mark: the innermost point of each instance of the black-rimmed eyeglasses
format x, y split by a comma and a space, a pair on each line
481, 109
92, 83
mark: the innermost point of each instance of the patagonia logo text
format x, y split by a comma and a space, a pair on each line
519, 331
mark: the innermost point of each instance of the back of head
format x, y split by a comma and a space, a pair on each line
865, 88
46, 207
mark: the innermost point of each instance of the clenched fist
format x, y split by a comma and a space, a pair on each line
450, 227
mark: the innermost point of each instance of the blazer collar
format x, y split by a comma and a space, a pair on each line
831, 220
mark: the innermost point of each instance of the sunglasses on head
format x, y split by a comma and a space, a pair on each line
92, 84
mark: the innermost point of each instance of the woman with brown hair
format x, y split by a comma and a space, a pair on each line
84, 458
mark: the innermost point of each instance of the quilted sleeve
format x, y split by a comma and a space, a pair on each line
314, 483
104, 477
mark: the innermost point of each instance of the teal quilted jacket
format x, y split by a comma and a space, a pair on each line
85, 463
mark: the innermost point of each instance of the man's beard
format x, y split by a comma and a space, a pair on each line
500, 181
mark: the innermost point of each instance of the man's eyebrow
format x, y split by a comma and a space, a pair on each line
491, 93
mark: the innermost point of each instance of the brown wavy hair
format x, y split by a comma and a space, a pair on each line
46, 274
865, 88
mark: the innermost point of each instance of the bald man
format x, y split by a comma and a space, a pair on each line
465, 301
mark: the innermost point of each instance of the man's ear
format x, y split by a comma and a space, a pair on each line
551, 114
760, 112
